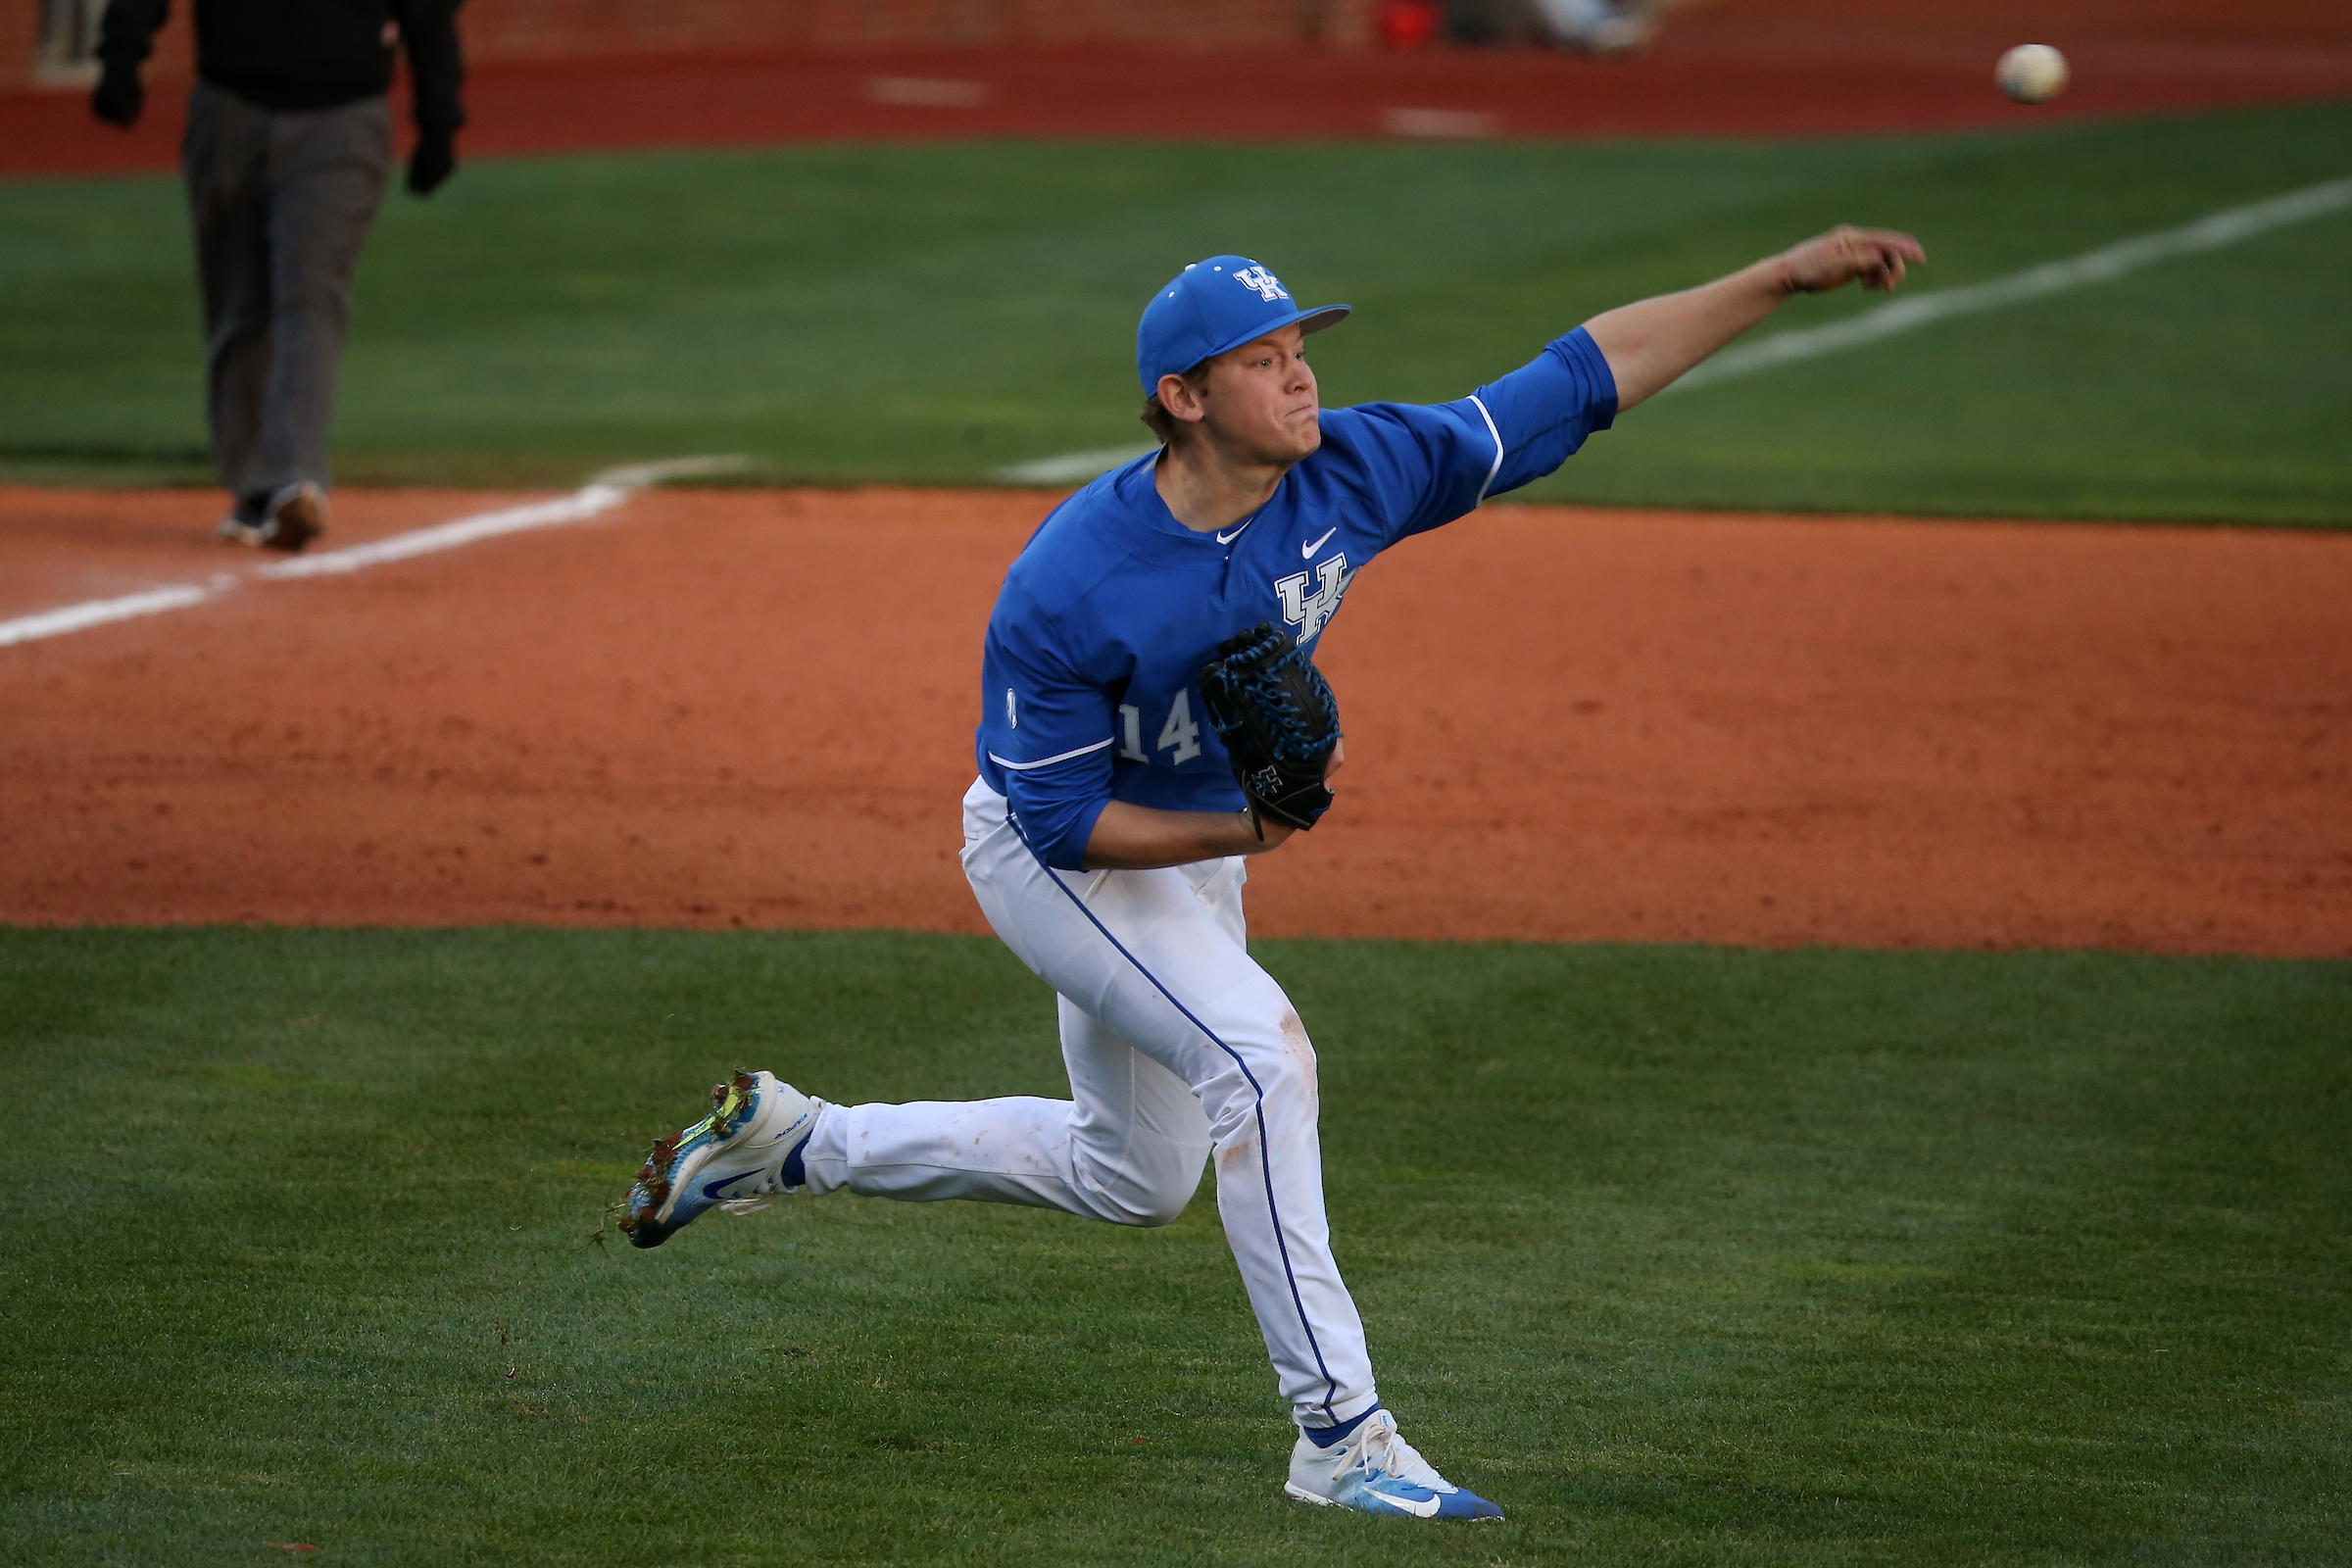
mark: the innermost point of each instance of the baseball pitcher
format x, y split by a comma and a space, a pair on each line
1151, 717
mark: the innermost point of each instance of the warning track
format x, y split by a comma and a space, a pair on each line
1738, 67
754, 708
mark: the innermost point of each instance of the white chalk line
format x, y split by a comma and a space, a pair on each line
599, 495
1073, 464
2211, 233
98, 613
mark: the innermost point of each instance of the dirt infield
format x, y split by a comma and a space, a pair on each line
715, 709
1757, 68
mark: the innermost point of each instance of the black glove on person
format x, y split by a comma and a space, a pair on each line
1279, 722
435, 159
119, 96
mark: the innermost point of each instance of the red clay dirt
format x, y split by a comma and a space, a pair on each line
1742, 68
755, 707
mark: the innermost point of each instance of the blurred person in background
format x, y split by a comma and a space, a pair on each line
1600, 26
286, 153
1613, 27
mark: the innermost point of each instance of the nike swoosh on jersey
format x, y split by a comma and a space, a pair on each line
1228, 538
1308, 552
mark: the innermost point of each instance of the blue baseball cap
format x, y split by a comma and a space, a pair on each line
1213, 306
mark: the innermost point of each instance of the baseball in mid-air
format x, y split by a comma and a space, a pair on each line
2031, 73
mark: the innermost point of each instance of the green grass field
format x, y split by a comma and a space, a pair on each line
932, 314
1685, 1256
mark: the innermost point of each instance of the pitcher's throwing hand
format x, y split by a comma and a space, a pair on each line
1874, 258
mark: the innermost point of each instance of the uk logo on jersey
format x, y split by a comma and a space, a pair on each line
1269, 288
1308, 611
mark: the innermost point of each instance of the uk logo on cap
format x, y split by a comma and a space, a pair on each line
1212, 307
1269, 288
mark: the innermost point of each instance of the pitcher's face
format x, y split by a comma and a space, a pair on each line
1261, 401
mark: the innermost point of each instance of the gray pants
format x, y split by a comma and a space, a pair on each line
281, 204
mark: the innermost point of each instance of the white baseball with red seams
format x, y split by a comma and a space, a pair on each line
2032, 72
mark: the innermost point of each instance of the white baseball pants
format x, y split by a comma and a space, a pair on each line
1176, 1042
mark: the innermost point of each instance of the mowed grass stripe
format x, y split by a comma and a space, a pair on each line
1686, 1255
937, 313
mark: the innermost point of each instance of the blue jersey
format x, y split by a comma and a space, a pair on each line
1091, 682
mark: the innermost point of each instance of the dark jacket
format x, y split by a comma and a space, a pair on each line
307, 54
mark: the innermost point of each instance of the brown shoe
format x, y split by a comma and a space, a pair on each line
295, 515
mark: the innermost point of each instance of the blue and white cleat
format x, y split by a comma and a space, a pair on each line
1375, 1471
741, 1152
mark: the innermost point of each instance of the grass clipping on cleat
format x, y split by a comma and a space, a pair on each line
728, 1101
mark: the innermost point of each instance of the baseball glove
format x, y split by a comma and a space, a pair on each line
1275, 714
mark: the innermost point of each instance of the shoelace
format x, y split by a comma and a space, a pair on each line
1384, 1449
759, 1197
